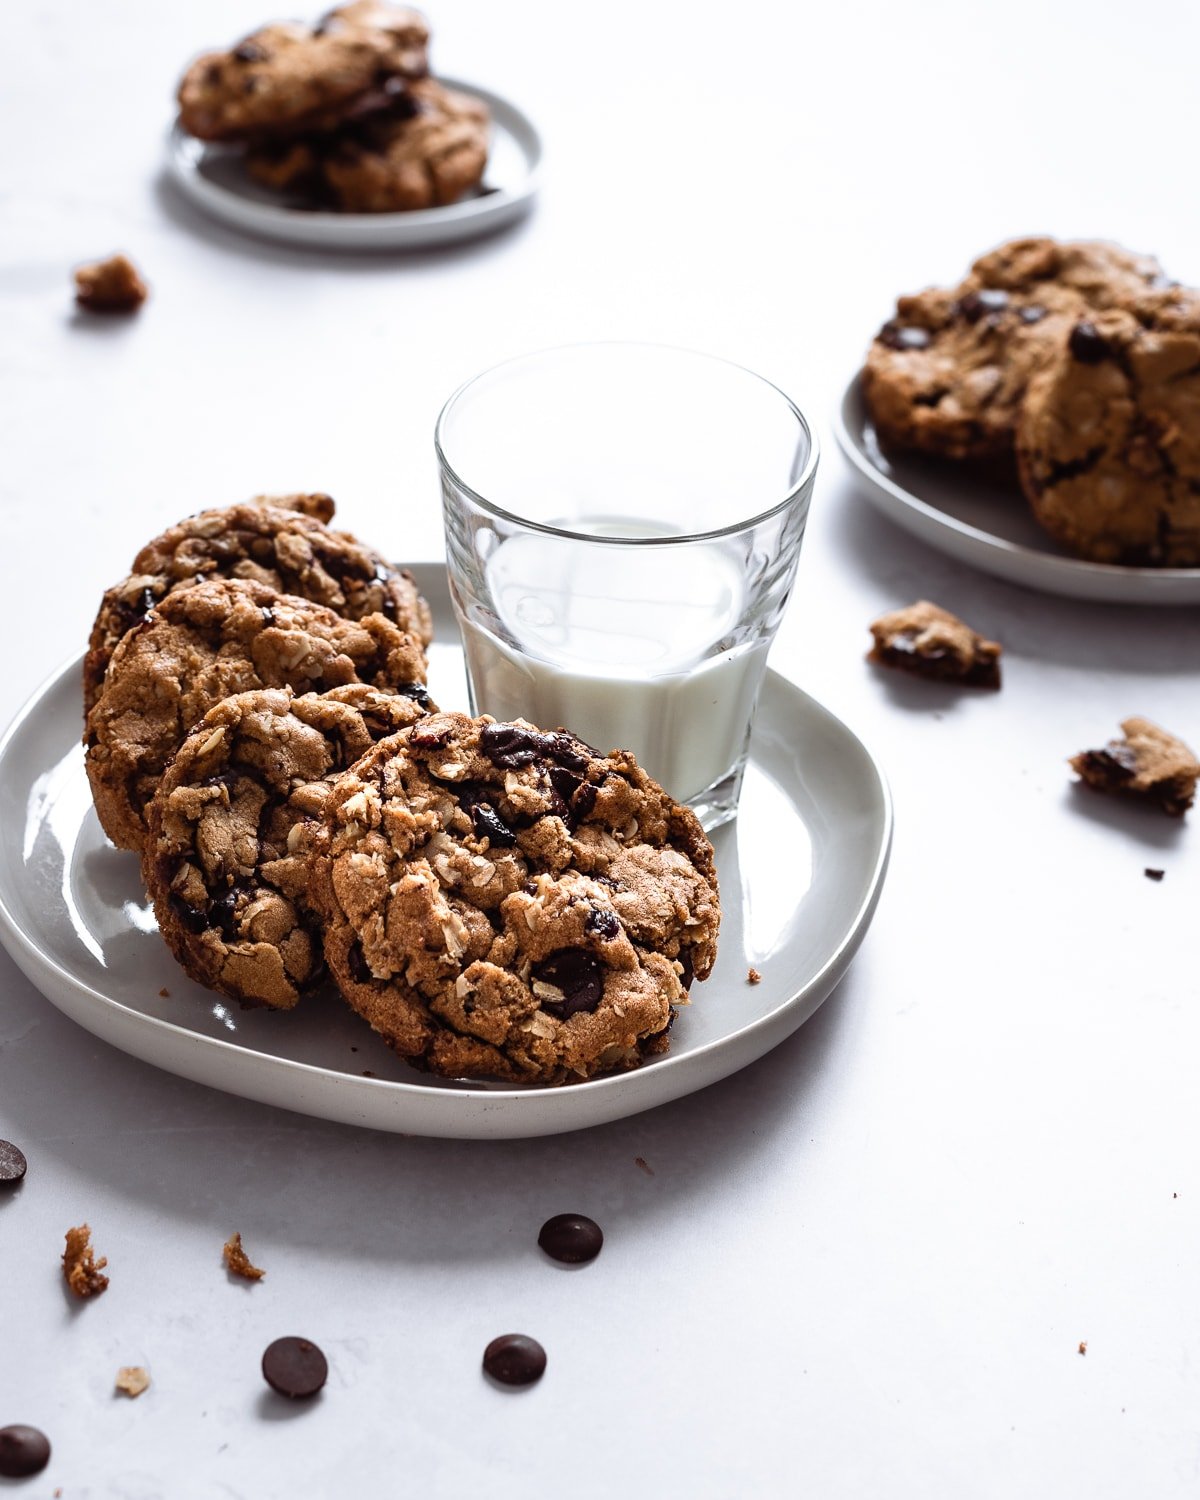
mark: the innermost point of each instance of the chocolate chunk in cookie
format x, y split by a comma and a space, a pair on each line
1148, 765
930, 642
285, 546
947, 374
110, 286
204, 643
1108, 442
288, 78
230, 830
502, 902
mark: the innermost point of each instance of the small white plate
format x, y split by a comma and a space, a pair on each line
214, 179
988, 523
800, 871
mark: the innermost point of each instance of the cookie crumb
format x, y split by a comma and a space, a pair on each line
110, 286
929, 641
1147, 765
1083, 1346
238, 1262
1154, 874
640, 1161
753, 976
164, 993
132, 1380
80, 1266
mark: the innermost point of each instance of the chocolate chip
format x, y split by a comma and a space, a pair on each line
23, 1451
977, 305
565, 782
1034, 313
359, 968
222, 913
577, 975
514, 1359
248, 52
1088, 345
268, 617
688, 967
509, 746
583, 801
901, 336
295, 1368
602, 922
12, 1162
571, 1238
1149, 874
490, 825
417, 692
190, 917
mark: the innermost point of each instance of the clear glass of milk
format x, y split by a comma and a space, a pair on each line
623, 523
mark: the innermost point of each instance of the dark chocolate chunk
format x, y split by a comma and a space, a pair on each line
222, 913
1088, 345
571, 1238
268, 617
359, 967
514, 1359
509, 746
688, 967
417, 692
576, 975
977, 305
295, 1368
23, 1451
12, 1162
488, 824
902, 336
1154, 874
191, 917
603, 923
583, 801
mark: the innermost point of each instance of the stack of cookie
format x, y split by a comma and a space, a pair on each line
1079, 359
496, 901
343, 113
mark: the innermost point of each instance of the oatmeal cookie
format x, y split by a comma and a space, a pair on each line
947, 374
282, 544
427, 149
204, 643
288, 78
929, 641
230, 830
1148, 764
501, 902
1108, 443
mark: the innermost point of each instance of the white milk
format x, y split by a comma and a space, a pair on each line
621, 645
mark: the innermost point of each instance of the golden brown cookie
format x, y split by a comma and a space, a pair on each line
110, 286
502, 902
287, 78
283, 544
204, 643
230, 831
929, 641
1148, 765
1108, 442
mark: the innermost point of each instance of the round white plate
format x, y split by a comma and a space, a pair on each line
800, 870
213, 178
988, 523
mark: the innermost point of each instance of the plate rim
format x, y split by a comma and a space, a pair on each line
465, 1109
412, 228
1109, 581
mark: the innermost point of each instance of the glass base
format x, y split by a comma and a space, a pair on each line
718, 803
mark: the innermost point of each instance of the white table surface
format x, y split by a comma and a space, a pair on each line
864, 1266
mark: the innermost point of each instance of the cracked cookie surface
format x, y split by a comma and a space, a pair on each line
947, 374
231, 827
283, 544
204, 643
501, 902
289, 77
1108, 444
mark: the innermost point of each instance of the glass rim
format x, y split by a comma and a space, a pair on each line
803, 481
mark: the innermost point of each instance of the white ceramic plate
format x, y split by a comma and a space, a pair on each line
213, 178
800, 870
988, 524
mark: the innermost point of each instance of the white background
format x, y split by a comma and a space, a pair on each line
864, 1266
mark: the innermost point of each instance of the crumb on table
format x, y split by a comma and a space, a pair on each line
82, 1270
1154, 874
132, 1380
753, 976
929, 641
111, 285
1083, 1346
640, 1161
164, 993
1147, 765
238, 1261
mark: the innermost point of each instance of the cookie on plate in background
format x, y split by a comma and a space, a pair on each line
946, 375
281, 543
1108, 442
230, 831
502, 902
204, 643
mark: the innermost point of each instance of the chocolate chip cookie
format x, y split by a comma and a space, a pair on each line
204, 643
1108, 443
230, 830
288, 78
1148, 764
929, 641
284, 546
503, 902
427, 149
947, 374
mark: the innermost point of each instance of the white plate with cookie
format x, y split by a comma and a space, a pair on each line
987, 523
801, 870
214, 178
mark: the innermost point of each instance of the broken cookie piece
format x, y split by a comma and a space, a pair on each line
83, 1272
931, 642
132, 1380
110, 286
238, 1262
1148, 764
